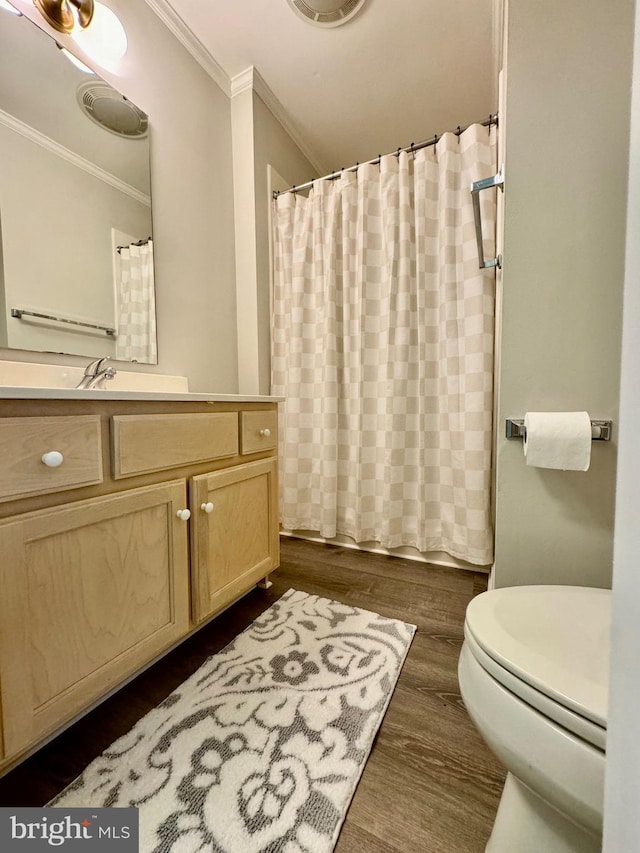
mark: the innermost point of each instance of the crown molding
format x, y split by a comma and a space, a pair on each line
247, 79
251, 78
243, 81
186, 37
53, 147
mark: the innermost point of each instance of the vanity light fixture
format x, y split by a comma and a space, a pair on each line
4, 4
99, 32
62, 14
105, 41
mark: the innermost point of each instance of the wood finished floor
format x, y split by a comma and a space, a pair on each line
430, 784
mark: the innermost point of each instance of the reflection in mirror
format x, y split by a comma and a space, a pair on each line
76, 248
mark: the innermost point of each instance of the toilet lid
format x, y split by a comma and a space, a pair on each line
555, 639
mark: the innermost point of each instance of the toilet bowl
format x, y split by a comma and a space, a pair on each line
533, 674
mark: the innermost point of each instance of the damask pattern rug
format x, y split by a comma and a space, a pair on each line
261, 749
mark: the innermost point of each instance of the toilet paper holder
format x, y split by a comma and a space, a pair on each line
600, 430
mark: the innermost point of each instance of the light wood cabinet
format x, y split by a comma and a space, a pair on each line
100, 580
91, 591
234, 533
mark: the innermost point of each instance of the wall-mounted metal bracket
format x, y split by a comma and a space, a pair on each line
600, 430
476, 188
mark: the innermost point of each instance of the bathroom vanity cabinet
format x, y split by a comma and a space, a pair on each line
124, 525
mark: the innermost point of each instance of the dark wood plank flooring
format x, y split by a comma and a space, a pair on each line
430, 784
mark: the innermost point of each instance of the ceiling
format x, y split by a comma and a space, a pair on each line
396, 73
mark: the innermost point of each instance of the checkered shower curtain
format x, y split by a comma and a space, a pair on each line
136, 305
382, 346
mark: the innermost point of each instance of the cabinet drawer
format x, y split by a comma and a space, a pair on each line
143, 443
24, 441
258, 431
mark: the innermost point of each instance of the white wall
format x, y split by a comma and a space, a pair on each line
192, 192
245, 225
273, 147
622, 788
567, 93
259, 141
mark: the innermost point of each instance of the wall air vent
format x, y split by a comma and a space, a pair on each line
326, 13
111, 110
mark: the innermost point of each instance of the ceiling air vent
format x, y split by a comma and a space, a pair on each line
326, 13
111, 110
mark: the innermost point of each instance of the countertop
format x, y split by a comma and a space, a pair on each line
8, 392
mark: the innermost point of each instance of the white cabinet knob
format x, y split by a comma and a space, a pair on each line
184, 514
208, 507
265, 432
53, 458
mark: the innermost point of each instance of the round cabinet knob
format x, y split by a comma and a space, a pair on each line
53, 459
208, 507
265, 432
184, 514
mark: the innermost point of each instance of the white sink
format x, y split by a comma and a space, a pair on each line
22, 374
23, 380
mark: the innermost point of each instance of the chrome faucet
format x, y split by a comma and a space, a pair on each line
95, 373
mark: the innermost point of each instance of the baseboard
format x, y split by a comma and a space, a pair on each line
435, 558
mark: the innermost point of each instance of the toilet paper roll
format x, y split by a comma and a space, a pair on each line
560, 440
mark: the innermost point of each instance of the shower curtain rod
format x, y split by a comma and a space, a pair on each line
410, 149
142, 242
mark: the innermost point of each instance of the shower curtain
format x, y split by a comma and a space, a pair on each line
382, 345
136, 340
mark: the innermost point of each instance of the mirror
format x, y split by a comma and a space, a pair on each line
76, 248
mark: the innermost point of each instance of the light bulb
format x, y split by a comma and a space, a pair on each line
4, 4
104, 40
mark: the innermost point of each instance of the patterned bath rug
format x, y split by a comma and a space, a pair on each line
261, 749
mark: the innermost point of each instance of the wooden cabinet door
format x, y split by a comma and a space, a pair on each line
237, 542
91, 591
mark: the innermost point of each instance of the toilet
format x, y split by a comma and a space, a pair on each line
533, 674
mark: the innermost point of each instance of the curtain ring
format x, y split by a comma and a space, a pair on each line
458, 132
435, 143
413, 153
